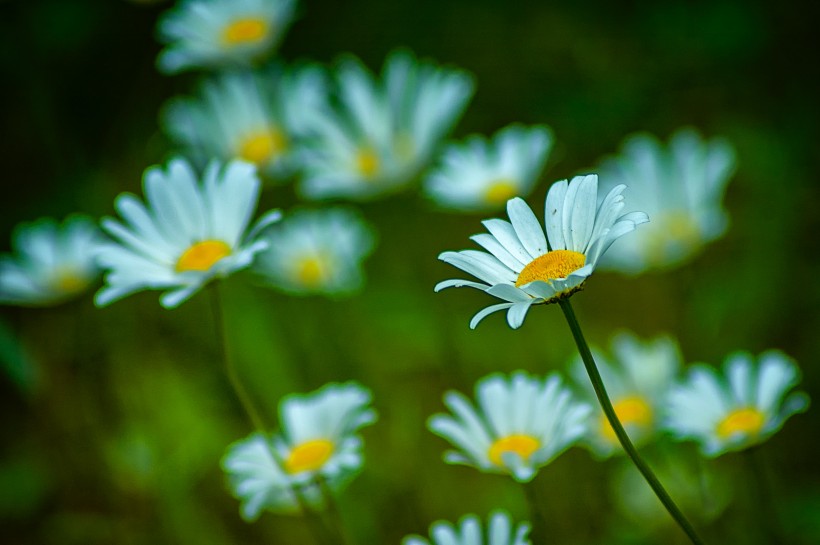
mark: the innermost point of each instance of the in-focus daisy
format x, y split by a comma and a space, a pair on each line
188, 233
221, 33
523, 267
51, 262
382, 132
741, 407
521, 424
681, 187
482, 174
637, 380
469, 531
240, 115
317, 252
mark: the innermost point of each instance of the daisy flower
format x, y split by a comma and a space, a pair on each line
240, 115
317, 252
637, 381
681, 187
187, 234
382, 132
500, 531
521, 424
480, 174
221, 33
523, 267
739, 408
51, 262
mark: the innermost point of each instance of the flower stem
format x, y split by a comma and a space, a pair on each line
539, 524
626, 443
334, 516
761, 495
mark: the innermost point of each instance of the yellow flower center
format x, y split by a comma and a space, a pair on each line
631, 410
551, 265
746, 421
68, 281
523, 445
500, 191
309, 456
202, 255
367, 162
261, 147
245, 31
674, 229
311, 270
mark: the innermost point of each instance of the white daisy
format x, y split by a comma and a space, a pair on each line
243, 116
382, 133
742, 407
480, 174
317, 251
51, 262
500, 531
637, 382
188, 234
522, 424
681, 187
523, 267
221, 33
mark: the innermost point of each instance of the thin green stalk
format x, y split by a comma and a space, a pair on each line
539, 523
334, 515
626, 443
761, 496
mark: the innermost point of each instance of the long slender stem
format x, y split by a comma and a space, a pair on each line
539, 523
609, 411
761, 496
334, 515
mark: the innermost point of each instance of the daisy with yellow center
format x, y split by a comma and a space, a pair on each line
521, 424
523, 265
482, 174
741, 407
187, 233
500, 530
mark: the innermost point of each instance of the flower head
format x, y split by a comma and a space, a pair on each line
188, 234
522, 423
52, 262
482, 174
523, 267
221, 33
317, 251
742, 407
681, 187
500, 531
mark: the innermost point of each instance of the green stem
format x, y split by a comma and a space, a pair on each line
539, 523
626, 443
761, 496
334, 515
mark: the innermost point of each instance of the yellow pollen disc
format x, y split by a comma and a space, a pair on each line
551, 265
668, 232
367, 162
202, 255
309, 456
523, 445
261, 147
500, 191
311, 270
69, 282
747, 421
245, 31
631, 410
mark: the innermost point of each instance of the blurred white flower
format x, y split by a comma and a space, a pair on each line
256, 118
382, 132
680, 186
500, 531
221, 33
317, 251
481, 174
739, 408
51, 262
522, 424
520, 266
188, 234
637, 381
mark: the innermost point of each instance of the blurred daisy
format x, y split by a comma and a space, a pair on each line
637, 382
521, 267
500, 531
382, 132
188, 234
317, 251
242, 116
738, 409
521, 424
481, 174
221, 33
51, 262
681, 187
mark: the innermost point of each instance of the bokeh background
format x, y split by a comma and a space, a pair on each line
114, 420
